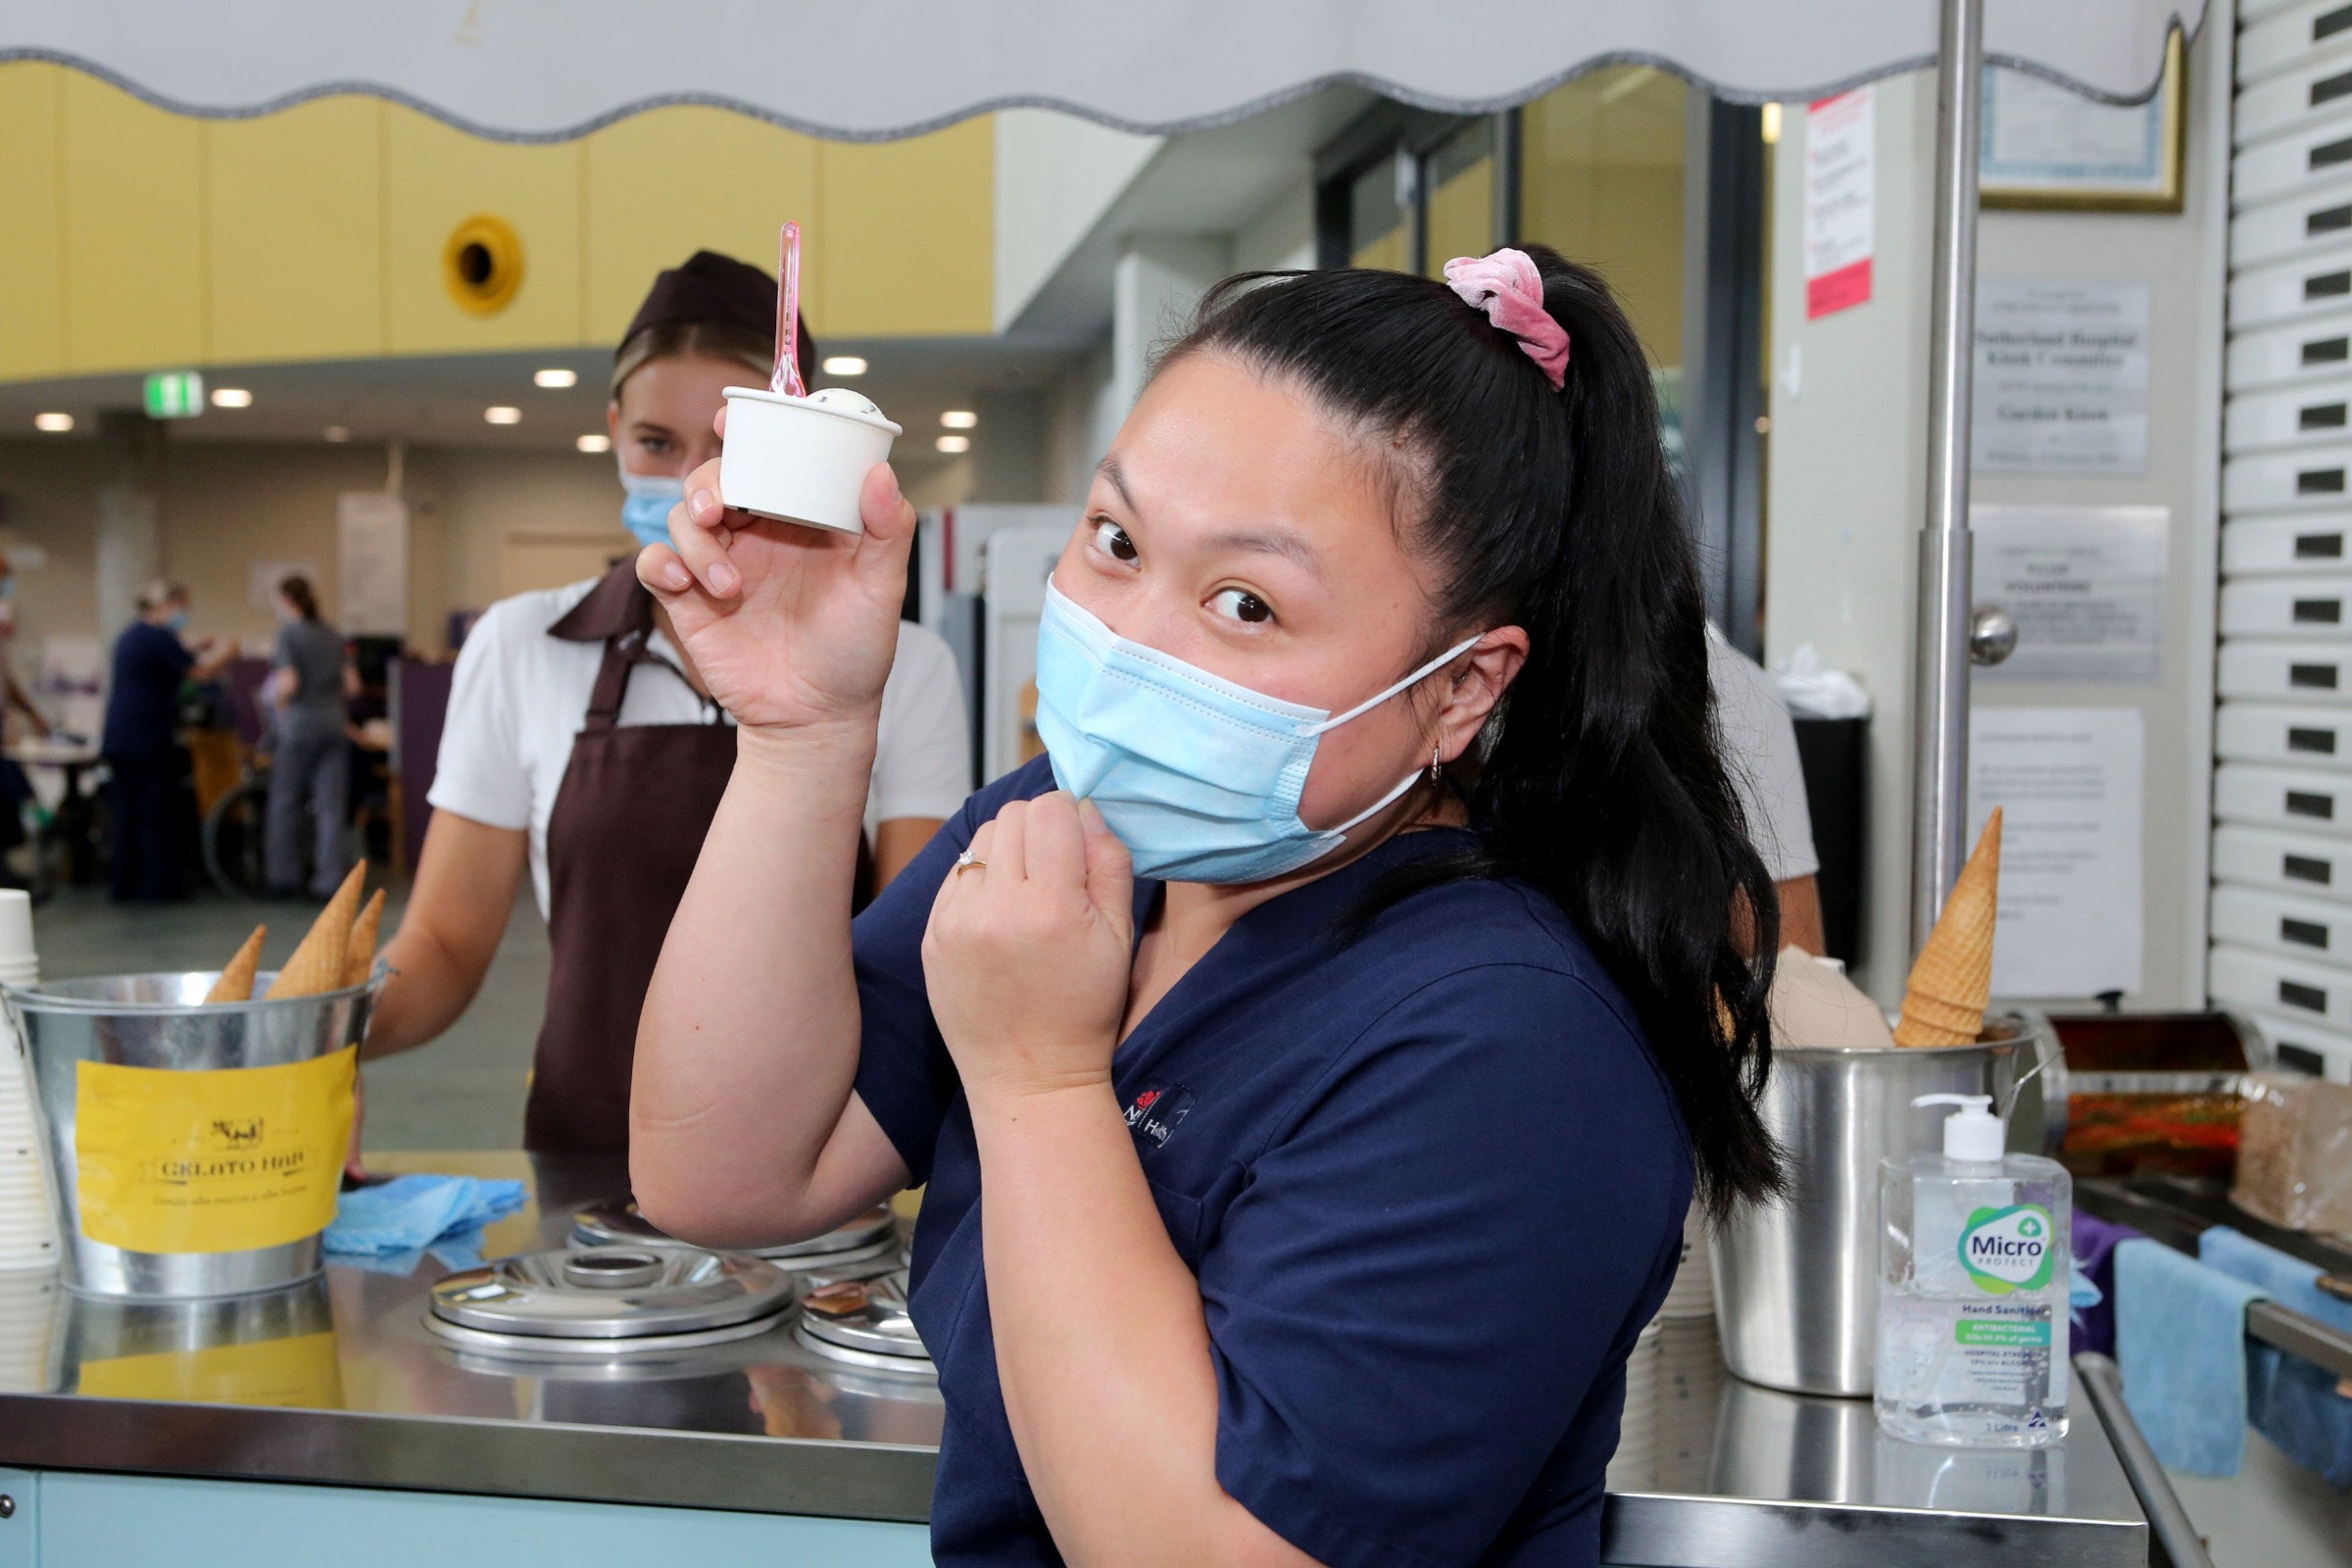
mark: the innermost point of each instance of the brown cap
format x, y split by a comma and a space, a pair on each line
712, 288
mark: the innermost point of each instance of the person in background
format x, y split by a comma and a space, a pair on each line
1759, 748
583, 744
141, 743
310, 684
10, 691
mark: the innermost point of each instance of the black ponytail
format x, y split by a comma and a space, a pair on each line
1601, 782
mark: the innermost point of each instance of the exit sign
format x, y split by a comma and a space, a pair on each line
175, 395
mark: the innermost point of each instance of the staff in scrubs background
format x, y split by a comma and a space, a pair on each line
584, 742
154, 814
310, 682
1316, 1224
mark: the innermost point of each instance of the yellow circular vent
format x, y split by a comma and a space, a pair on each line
481, 264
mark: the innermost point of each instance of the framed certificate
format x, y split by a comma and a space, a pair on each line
2050, 147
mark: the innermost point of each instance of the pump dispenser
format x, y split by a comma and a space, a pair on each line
1975, 1265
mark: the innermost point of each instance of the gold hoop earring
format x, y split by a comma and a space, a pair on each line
1437, 764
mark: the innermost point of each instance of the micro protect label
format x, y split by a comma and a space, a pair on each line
2008, 1250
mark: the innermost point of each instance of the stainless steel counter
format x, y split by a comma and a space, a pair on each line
340, 1382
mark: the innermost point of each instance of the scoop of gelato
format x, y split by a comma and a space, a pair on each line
840, 397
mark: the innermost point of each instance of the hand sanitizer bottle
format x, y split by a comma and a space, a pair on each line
1975, 1263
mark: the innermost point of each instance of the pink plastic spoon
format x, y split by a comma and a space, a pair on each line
786, 377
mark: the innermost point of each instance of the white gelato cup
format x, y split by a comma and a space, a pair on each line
802, 459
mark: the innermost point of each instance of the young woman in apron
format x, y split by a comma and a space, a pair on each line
1312, 1057
582, 744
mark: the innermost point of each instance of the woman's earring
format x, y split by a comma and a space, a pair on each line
1436, 765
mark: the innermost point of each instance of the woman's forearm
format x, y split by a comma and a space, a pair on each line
1101, 1344
748, 1046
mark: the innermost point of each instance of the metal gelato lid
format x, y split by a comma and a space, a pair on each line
618, 1220
864, 1322
601, 1299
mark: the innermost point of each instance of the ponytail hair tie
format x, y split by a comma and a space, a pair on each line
1508, 288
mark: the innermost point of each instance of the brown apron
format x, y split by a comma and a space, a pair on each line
630, 816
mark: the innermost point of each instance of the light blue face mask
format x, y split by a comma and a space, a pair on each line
177, 620
1198, 777
646, 512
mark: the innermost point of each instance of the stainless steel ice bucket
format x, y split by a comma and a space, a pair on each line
1796, 1287
154, 1020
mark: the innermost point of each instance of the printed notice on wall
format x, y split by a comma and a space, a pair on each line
2084, 584
2068, 784
1841, 201
372, 538
2061, 377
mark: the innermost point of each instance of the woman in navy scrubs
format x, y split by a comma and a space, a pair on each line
1309, 1115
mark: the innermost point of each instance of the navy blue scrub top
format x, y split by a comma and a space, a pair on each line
1431, 1182
142, 702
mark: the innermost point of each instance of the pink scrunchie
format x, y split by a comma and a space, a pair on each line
1508, 288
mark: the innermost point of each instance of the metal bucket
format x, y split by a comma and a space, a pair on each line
154, 1022
1797, 1281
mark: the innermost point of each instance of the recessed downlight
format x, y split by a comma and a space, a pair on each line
53, 424
556, 377
843, 364
960, 420
503, 413
954, 443
232, 397
594, 442
337, 433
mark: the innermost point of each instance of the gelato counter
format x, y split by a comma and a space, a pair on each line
326, 1421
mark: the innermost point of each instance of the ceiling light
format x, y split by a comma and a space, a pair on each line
960, 418
954, 443
557, 378
337, 432
843, 364
503, 413
1772, 123
231, 397
593, 442
54, 423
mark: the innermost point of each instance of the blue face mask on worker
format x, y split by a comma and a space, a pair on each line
646, 510
177, 620
1198, 777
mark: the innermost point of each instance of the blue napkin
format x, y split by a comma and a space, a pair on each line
2180, 1343
409, 1213
2293, 1401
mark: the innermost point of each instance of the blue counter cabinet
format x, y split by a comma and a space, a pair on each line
69, 1519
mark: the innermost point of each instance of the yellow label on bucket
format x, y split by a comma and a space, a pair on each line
218, 1162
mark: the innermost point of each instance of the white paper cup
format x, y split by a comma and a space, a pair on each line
800, 460
16, 926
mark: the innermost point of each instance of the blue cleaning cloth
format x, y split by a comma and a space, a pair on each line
2083, 1293
2292, 1401
409, 1213
2180, 1343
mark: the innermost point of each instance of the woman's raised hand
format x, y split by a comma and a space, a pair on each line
788, 626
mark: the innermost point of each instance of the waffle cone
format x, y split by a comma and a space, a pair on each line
317, 966
359, 949
236, 980
1955, 969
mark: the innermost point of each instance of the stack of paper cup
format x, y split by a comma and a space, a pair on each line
1692, 1294
1690, 1378
27, 1216
29, 1300
1634, 1465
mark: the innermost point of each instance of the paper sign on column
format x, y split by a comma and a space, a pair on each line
2070, 787
371, 533
2061, 381
1841, 174
2086, 585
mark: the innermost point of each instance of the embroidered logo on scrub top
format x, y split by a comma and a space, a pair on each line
1158, 1110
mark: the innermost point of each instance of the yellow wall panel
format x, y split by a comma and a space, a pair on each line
297, 233
32, 304
133, 247
907, 234
435, 179
664, 184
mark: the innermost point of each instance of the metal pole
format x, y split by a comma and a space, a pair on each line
1939, 672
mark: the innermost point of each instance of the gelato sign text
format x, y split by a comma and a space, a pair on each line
2061, 377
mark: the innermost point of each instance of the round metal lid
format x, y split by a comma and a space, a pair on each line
612, 1293
863, 1321
618, 1220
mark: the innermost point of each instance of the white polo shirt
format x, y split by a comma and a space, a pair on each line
520, 695
1759, 748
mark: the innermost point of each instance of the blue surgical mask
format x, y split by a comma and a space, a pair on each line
177, 620
646, 512
1198, 777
